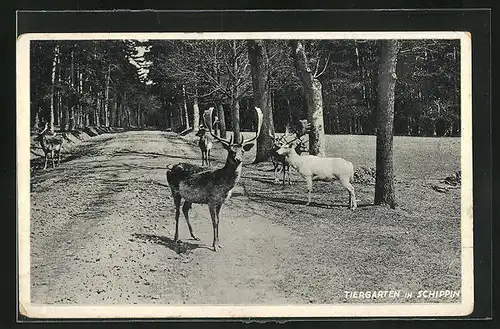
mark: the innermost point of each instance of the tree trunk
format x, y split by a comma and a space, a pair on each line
138, 115
384, 181
235, 111
184, 107
222, 121
97, 121
118, 109
289, 120
337, 121
73, 94
259, 63
235, 97
106, 97
123, 113
314, 99
83, 116
180, 117
78, 112
37, 118
196, 111
52, 92
57, 106
170, 115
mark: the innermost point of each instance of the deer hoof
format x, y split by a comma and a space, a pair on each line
217, 247
195, 238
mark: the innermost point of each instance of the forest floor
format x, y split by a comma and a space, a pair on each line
102, 226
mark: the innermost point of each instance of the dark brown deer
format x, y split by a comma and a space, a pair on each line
279, 161
205, 144
197, 184
51, 145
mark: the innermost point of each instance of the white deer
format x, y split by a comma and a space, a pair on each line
313, 167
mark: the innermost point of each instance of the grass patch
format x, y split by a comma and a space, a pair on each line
415, 247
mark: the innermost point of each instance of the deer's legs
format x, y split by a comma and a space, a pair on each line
213, 215
46, 160
58, 158
276, 172
217, 209
208, 158
185, 211
177, 202
309, 189
352, 196
53, 160
286, 172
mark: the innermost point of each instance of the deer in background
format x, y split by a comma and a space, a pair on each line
51, 145
313, 167
280, 162
200, 185
205, 144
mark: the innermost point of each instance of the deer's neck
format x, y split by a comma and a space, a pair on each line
232, 172
293, 157
43, 142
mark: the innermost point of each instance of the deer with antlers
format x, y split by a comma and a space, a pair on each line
313, 167
200, 185
205, 145
279, 161
51, 145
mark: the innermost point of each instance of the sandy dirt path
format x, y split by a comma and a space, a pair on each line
102, 227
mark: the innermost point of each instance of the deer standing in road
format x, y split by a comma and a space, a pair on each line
197, 184
51, 145
313, 167
205, 144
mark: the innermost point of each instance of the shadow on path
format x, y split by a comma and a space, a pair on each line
179, 247
268, 198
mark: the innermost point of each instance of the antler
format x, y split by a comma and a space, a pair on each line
46, 126
207, 118
303, 128
259, 125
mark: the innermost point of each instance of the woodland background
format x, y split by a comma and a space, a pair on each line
165, 84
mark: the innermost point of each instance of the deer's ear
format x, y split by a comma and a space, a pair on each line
227, 147
248, 147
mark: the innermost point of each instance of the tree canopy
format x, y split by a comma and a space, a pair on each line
165, 83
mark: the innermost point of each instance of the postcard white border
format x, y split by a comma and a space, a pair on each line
239, 311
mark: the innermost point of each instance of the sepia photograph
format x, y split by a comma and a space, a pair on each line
264, 174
